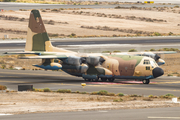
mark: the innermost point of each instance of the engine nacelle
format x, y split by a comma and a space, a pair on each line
94, 61
52, 66
152, 55
103, 71
83, 68
73, 60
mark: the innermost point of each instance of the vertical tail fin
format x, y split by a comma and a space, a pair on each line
36, 35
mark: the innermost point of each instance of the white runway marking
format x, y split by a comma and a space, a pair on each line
10, 49
102, 111
164, 118
12, 41
5, 114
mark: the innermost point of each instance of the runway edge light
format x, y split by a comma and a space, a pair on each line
83, 84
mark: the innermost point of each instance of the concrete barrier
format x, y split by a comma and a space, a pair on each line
25, 87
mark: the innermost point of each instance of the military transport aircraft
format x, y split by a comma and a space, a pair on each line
90, 66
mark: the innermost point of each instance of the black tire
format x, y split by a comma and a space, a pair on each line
111, 79
146, 81
95, 80
103, 79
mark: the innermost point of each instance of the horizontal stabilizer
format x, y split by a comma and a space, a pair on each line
23, 53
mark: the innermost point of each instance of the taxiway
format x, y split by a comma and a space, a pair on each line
59, 80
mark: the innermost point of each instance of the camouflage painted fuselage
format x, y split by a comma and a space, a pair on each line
116, 66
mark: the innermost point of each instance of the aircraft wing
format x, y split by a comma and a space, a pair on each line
164, 52
45, 57
41, 55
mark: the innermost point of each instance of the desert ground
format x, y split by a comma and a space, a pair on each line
96, 22
38, 102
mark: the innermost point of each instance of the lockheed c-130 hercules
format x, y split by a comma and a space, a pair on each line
90, 66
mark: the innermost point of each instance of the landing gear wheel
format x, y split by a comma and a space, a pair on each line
111, 79
103, 79
146, 81
86, 79
95, 80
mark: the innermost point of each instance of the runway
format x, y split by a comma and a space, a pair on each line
132, 114
59, 80
100, 44
28, 6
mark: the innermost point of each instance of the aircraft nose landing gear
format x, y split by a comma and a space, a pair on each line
146, 81
111, 79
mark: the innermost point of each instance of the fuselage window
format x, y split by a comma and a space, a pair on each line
147, 68
146, 62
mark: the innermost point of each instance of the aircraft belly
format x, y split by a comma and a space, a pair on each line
134, 77
73, 72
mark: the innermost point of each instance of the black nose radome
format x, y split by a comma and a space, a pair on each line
157, 72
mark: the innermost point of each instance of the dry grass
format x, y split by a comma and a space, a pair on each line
2, 87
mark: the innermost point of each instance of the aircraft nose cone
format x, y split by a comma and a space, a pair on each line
157, 72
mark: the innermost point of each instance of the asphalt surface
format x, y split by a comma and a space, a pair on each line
27, 6
60, 80
132, 114
90, 41
100, 44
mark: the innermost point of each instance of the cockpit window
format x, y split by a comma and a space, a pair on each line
146, 62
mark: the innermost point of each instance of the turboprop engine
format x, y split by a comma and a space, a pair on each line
101, 73
83, 68
73, 60
77, 62
94, 61
156, 57
152, 55
83, 64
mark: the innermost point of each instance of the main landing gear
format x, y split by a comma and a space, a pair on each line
102, 80
146, 81
109, 79
92, 80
